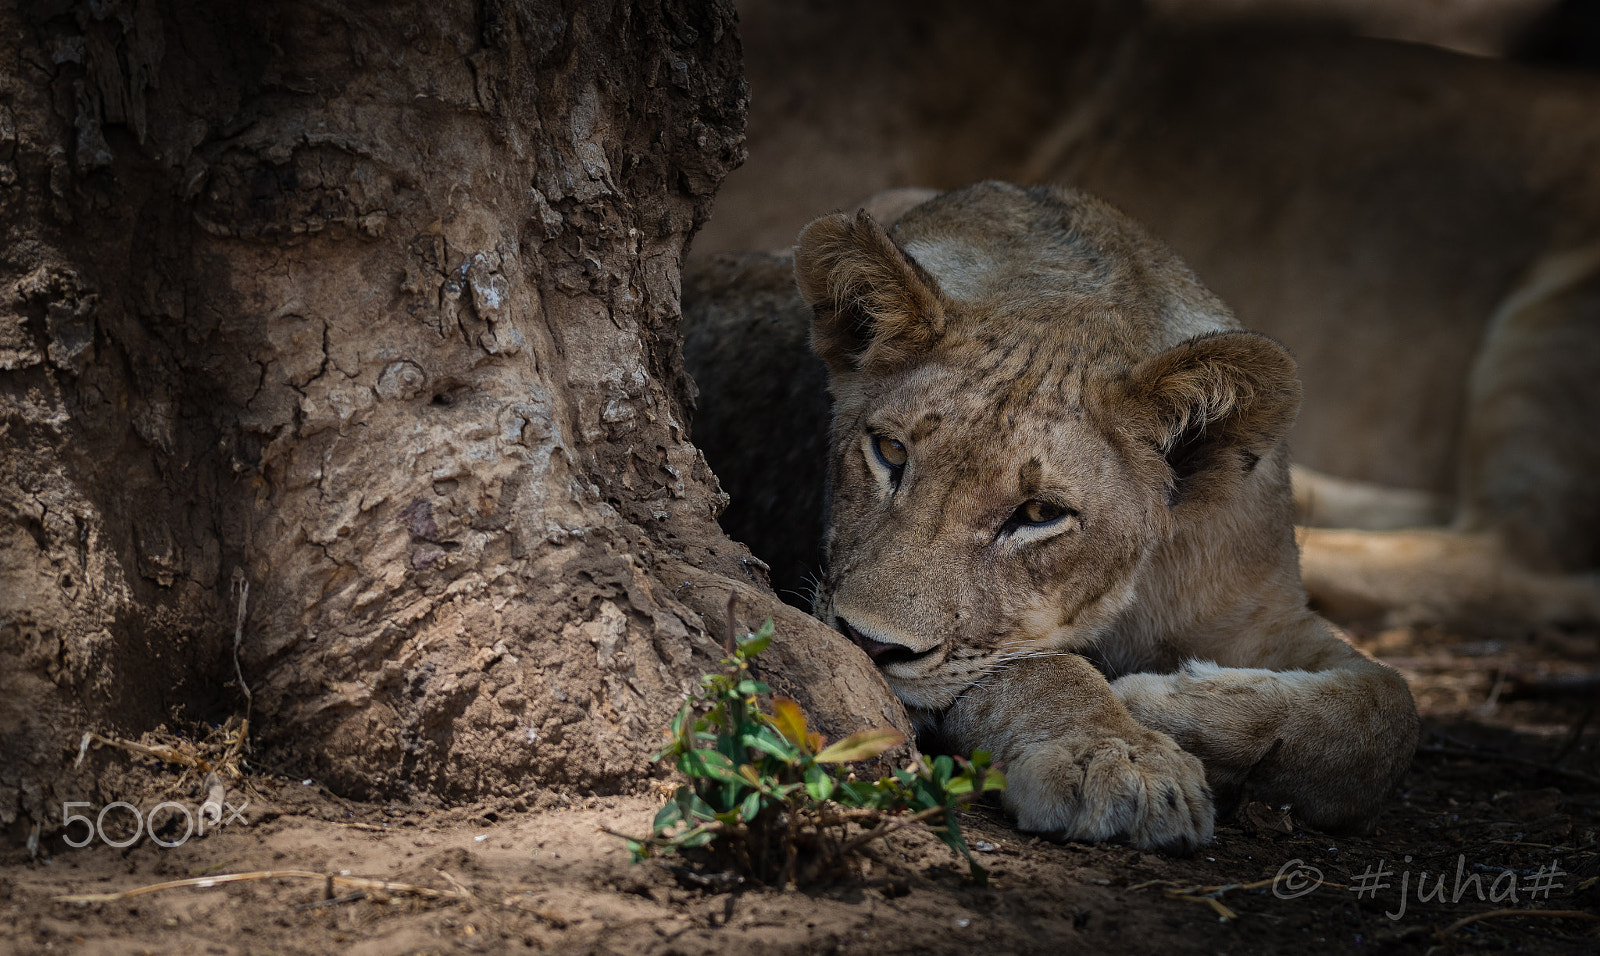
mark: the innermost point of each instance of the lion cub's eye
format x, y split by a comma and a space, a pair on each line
890, 452
1038, 512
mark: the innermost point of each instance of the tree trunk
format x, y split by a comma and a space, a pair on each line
357, 323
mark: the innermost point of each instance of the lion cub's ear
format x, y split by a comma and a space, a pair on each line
1213, 406
875, 307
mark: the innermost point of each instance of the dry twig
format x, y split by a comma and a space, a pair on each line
1209, 895
241, 584
163, 752
1497, 914
1447, 751
354, 882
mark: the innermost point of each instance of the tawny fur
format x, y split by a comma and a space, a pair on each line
1154, 641
1420, 227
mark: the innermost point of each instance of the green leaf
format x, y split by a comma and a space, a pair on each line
696, 837
951, 835
819, 783
692, 807
750, 688
942, 768
757, 642
927, 797
667, 816
751, 807
952, 839
709, 764
857, 793
972, 780
861, 745
764, 740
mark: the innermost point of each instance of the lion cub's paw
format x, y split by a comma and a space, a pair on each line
1141, 786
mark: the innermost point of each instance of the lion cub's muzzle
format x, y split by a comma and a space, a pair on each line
883, 654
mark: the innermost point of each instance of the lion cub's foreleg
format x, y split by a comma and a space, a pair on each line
1076, 763
1329, 740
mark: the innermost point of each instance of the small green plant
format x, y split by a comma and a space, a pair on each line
765, 791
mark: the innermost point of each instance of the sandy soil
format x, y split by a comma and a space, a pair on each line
1506, 788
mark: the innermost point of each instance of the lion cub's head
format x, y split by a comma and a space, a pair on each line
1032, 399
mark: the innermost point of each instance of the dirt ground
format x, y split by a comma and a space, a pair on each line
1503, 801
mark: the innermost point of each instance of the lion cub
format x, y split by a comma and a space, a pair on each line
1061, 521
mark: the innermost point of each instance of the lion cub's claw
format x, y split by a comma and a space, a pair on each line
1146, 789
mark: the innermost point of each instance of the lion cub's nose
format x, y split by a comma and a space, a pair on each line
881, 652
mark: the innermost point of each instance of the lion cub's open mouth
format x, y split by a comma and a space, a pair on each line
882, 654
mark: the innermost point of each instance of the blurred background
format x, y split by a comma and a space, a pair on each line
1369, 181
1405, 192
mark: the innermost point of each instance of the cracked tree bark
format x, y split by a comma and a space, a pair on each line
373, 309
